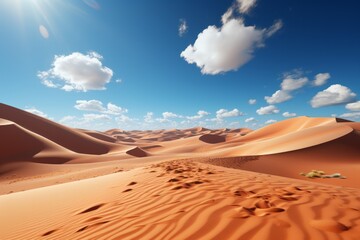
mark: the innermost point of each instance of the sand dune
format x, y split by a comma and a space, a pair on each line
172, 184
99, 135
20, 144
63, 136
183, 200
137, 152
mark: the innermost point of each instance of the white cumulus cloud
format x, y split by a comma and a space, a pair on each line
278, 97
355, 106
288, 114
224, 113
67, 119
200, 114
148, 118
94, 117
124, 119
89, 121
97, 106
167, 115
270, 121
36, 112
271, 109
321, 79
334, 95
217, 50
91, 105
77, 71
351, 115
115, 110
291, 84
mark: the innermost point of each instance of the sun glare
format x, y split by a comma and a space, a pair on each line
26, 11
43, 12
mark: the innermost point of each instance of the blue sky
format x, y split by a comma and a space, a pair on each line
177, 64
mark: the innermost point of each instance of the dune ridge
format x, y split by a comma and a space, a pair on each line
68, 138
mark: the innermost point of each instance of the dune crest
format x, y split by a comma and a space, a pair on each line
137, 152
66, 137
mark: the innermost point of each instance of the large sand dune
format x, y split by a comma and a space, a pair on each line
63, 183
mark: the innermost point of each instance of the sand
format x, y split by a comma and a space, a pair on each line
63, 183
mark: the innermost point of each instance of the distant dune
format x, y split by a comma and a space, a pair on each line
68, 138
173, 184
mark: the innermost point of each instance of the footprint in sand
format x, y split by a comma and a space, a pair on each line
93, 225
174, 180
82, 229
132, 183
93, 208
263, 204
93, 219
263, 212
244, 212
127, 190
329, 226
190, 184
241, 193
197, 182
49, 232
287, 198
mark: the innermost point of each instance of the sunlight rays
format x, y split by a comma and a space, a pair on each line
46, 13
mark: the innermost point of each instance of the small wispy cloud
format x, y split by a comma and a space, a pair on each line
252, 101
249, 120
274, 28
183, 27
321, 79
36, 112
244, 6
